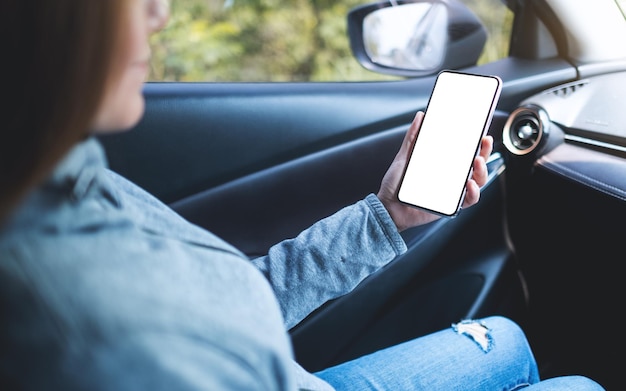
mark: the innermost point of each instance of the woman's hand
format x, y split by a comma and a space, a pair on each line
406, 216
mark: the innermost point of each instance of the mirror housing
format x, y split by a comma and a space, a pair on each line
413, 38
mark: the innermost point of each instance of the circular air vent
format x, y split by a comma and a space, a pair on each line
524, 129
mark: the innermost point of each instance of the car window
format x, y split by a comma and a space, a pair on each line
280, 40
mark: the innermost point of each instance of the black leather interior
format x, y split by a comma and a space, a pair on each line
601, 171
279, 202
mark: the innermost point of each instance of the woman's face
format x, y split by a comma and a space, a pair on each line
123, 102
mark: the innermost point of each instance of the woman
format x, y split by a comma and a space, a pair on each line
103, 287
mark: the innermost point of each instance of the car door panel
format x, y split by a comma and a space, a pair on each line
278, 202
225, 131
195, 136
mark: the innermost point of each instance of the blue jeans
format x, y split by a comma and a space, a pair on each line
470, 356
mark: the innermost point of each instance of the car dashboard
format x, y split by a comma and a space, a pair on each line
575, 130
566, 199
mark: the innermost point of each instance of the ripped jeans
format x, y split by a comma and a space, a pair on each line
489, 354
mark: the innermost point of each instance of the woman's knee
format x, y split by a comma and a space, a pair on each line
504, 340
500, 325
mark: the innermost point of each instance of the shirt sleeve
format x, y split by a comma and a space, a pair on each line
331, 257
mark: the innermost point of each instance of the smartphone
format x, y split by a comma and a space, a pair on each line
458, 115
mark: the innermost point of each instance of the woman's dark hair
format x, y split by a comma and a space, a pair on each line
57, 57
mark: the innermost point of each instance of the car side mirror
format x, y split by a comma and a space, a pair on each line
415, 37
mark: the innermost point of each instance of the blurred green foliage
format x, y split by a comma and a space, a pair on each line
279, 40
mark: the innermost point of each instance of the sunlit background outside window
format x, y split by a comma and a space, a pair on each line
280, 40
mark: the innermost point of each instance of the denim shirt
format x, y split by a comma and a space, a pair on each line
102, 286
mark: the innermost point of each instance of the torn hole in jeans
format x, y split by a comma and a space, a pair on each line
477, 332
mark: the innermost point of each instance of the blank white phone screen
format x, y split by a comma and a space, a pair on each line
457, 116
